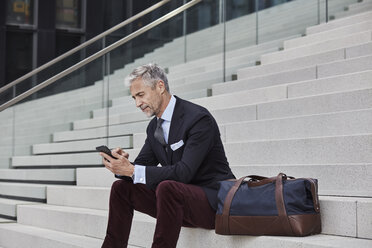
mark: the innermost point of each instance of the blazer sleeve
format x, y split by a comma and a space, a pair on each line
200, 140
146, 156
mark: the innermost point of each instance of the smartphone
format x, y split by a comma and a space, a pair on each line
105, 149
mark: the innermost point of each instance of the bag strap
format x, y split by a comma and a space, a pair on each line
279, 199
257, 178
227, 204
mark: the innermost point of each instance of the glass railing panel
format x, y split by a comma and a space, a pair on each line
204, 49
160, 45
342, 8
85, 78
284, 19
89, 79
6, 140
241, 36
50, 114
152, 40
41, 120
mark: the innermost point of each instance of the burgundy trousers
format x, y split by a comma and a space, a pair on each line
173, 204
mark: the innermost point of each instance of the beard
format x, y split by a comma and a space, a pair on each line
148, 111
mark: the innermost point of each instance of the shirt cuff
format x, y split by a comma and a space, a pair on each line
139, 174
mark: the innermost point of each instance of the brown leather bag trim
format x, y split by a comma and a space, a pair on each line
227, 204
282, 213
303, 225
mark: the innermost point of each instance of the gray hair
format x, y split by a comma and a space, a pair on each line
150, 74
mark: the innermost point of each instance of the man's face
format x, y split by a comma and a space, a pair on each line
147, 99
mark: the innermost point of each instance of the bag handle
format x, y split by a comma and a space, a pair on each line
279, 199
227, 205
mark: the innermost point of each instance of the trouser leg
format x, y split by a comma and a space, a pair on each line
180, 204
124, 198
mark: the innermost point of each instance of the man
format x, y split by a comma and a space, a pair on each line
184, 138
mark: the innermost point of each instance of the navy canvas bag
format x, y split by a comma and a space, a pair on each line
280, 205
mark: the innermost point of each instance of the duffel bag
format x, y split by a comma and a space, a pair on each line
280, 205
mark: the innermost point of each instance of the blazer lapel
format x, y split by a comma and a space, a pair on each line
176, 124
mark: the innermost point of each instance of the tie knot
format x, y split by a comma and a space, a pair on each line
160, 121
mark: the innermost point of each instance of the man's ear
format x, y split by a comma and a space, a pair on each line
161, 86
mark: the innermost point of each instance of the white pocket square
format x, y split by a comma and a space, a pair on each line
177, 145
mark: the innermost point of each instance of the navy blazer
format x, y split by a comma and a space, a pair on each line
199, 161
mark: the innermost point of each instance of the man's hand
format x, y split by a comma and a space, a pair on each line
119, 166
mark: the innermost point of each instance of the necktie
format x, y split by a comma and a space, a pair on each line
159, 134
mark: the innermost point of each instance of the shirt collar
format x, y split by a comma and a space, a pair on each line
168, 112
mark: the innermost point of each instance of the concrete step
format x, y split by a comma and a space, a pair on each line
321, 125
16, 236
356, 9
80, 221
345, 82
84, 93
5, 220
280, 78
112, 120
346, 41
244, 97
196, 65
329, 176
215, 63
346, 66
22, 191
315, 59
38, 175
341, 67
338, 149
124, 104
188, 94
8, 207
95, 177
139, 140
74, 104
63, 160
113, 130
339, 23
333, 102
338, 218
82, 146
323, 150
328, 35
79, 196
326, 103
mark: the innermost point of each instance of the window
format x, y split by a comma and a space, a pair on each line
20, 12
68, 14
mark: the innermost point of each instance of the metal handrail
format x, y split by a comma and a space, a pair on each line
98, 54
83, 45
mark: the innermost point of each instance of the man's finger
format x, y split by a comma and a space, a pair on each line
105, 156
115, 154
108, 167
125, 154
117, 150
